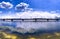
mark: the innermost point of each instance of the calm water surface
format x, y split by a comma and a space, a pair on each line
47, 26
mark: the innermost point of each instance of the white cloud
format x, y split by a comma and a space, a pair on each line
23, 7
31, 14
37, 14
6, 5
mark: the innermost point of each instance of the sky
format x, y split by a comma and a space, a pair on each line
33, 8
46, 5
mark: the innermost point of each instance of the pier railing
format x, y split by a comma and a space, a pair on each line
33, 19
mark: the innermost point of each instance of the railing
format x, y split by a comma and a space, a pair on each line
33, 19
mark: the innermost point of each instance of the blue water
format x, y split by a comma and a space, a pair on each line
38, 26
46, 25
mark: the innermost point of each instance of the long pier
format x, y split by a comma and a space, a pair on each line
32, 19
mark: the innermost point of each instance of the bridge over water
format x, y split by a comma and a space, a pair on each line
32, 19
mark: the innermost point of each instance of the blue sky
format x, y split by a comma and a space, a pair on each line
37, 8
47, 5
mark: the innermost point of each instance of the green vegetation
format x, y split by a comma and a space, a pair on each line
4, 35
7, 35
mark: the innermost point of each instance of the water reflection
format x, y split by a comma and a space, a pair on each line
38, 25
32, 26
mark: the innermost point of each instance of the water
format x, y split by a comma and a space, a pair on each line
32, 27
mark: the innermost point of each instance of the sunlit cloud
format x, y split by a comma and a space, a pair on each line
22, 7
32, 14
37, 14
6, 5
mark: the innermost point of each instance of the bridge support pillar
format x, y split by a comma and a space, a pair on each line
47, 20
57, 19
11, 19
22, 19
35, 20
3, 19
